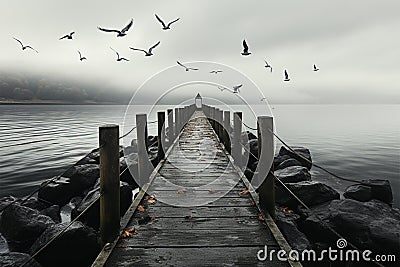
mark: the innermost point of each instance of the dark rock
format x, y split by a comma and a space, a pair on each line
358, 192
245, 137
32, 202
297, 240
372, 225
5, 201
311, 193
253, 166
152, 141
77, 246
127, 176
86, 160
153, 155
16, 259
21, 226
77, 179
380, 190
279, 159
92, 216
293, 174
249, 174
130, 150
302, 151
53, 212
288, 163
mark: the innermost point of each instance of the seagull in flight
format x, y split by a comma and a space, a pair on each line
315, 68
122, 32
186, 68
118, 57
67, 36
25, 46
215, 71
165, 27
267, 65
245, 49
286, 77
81, 58
262, 99
236, 88
149, 52
221, 88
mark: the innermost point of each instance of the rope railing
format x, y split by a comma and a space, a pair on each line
306, 206
133, 128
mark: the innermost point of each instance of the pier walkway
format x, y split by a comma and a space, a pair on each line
198, 209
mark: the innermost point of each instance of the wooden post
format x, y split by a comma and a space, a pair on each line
227, 131
171, 127
220, 124
141, 128
212, 113
109, 183
265, 154
176, 122
161, 134
236, 145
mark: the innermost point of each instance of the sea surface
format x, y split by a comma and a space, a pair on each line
38, 142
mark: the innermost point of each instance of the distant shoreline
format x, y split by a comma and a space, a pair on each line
55, 103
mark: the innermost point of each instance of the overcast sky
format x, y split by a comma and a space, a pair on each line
356, 44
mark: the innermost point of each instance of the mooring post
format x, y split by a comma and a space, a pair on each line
219, 123
176, 122
141, 128
227, 131
266, 190
211, 117
161, 134
170, 127
237, 131
109, 183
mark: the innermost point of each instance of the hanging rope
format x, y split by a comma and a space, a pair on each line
133, 128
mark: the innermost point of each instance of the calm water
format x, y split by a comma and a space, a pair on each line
38, 142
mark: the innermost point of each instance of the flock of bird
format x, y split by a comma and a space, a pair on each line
124, 31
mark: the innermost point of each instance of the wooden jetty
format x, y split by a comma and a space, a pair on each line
197, 208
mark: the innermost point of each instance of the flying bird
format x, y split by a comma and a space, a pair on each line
186, 68
118, 57
262, 99
315, 68
245, 49
81, 58
122, 32
236, 88
25, 46
286, 77
166, 27
67, 36
267, 65
221, 88
149, 52
215, 71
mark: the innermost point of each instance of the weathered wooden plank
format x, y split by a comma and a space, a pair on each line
204, 212
194, 223
197, 238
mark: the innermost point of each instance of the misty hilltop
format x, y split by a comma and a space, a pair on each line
24, 88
